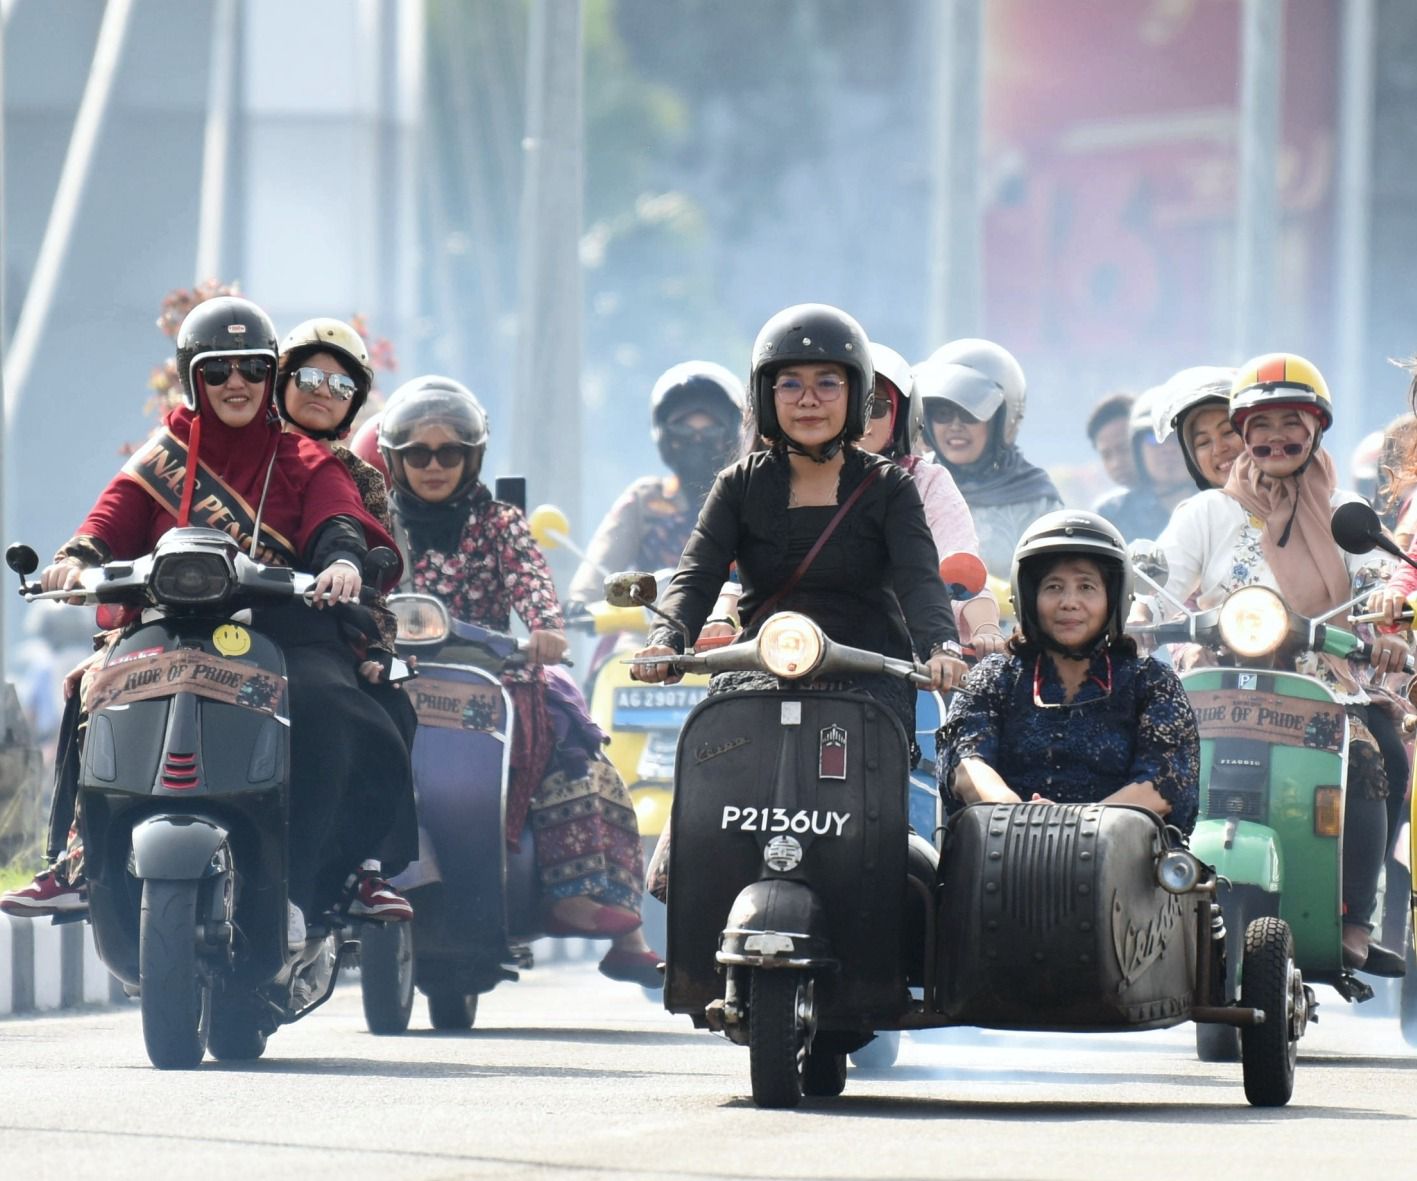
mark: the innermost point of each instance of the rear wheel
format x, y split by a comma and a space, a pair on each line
238, 1031
879, 1053
448, 1009
780, 1016
176, 996
1270, 981
824, 1073
386, 976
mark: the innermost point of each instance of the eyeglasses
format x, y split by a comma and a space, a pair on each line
216, 370
880, 407
308, 379
420, 455
941, 412
1105, 686
828, 388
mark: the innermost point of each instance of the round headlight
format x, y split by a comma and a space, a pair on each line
791, 645
1177, 872
1254, 621
421, 619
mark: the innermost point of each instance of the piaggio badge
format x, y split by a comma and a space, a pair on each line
831, 753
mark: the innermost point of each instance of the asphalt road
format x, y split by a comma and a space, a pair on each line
570, 1076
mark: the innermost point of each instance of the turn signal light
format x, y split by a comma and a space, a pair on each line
1328, 812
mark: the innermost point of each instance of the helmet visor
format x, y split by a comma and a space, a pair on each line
967, 388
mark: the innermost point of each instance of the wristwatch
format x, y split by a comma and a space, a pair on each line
948, 648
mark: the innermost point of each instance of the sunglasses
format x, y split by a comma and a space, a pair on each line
420, 455
217, 370
682, 432
880, 407
308, 379
940, 413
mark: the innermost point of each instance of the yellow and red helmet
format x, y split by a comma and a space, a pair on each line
1279, 380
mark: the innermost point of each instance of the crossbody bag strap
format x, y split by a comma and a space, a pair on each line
796, 576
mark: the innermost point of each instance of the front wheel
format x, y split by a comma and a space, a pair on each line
176, 997
1270, 981
780, 1018
386, 976
449, 1009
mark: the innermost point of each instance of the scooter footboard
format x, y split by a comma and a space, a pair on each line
1050, 917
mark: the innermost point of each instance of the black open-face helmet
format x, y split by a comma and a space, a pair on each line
812, 334
227, 326
326, 335
1070, 533
433, 400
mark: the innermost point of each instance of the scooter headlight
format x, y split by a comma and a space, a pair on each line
188, 579
791, 646
421, 619
1177, 871
1254, 621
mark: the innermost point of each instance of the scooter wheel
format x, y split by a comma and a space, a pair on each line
824, 1073
176, 998
1270, 981
879, 1053
779, 1024
386, 976
451, 1010
237, 1033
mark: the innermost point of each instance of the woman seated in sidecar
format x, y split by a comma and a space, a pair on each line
1071, 714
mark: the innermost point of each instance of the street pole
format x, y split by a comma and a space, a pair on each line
1257, 218
956, 270
1354, 216
216, 142
546, 419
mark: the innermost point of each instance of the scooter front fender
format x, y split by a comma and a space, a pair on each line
1252, 857
177, 847
776, 924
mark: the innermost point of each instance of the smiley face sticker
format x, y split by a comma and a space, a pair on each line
231, 639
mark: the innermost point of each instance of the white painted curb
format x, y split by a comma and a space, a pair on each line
46, 967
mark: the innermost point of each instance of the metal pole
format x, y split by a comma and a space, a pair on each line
1354, 215
216, 142
1257, 220
546, 426
5, 534
956, 282
34, 313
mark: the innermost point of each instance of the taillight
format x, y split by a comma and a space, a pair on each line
1328, 811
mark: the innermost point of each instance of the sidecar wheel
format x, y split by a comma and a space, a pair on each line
386, 976
1270, 981
238, 1033
176, 997
451, 1010
780, 1015
879, 1053
824, 1073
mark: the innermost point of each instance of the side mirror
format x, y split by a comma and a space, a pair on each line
631, 588
965, 571
1149, 560
21, 559
549, 526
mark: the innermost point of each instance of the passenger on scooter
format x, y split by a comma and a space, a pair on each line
972, 393
323, 379
696, 413
1072, 714
1195, 406
874, 581
226, 435
477, 555
1269, 525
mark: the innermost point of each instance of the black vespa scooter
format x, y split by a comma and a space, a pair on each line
804, 916
184, 800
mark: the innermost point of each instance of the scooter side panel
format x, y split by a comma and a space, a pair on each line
755, 774
1051, 918
1253, 856
1298, 723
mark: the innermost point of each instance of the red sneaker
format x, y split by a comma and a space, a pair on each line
48, 894
373, 899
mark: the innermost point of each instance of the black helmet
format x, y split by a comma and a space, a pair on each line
326, 335
807, 334
1071, 533
433, 399
227, 326
689, 386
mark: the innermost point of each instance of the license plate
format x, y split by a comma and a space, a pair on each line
655, 707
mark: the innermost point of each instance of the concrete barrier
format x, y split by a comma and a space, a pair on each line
46, 967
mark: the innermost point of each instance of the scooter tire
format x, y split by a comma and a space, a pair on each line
879, 1053
1268, 982
176, 997
451, 1010
824, 1074
386, 976
779, 1003
236, 1034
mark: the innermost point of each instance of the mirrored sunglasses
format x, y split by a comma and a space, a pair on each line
309, 378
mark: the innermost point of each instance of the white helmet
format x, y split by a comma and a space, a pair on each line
979, 376
890, 365
1186, 390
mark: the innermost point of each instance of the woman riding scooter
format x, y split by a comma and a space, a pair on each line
1269, 525
1072, 714
477, 555
226, 443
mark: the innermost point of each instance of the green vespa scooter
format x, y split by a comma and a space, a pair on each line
1274, 757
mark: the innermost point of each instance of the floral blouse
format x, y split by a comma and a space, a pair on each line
1142, 729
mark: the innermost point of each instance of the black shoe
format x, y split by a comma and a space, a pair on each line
1383, 961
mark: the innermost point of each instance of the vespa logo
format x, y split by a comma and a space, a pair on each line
831, 753
1137, 947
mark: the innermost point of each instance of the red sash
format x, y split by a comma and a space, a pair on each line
158, 467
